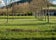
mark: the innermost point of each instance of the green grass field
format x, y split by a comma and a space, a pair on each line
27, 23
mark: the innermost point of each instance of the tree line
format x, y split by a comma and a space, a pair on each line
35, 6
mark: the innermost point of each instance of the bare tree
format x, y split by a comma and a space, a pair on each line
7, 10
22, 8
48, 11
37, 6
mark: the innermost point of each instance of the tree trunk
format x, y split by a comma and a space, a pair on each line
7, 11
48, 15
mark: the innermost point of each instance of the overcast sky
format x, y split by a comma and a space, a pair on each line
54, 2
8, 1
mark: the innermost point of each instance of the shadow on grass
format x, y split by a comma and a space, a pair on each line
32, 24
30, 39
